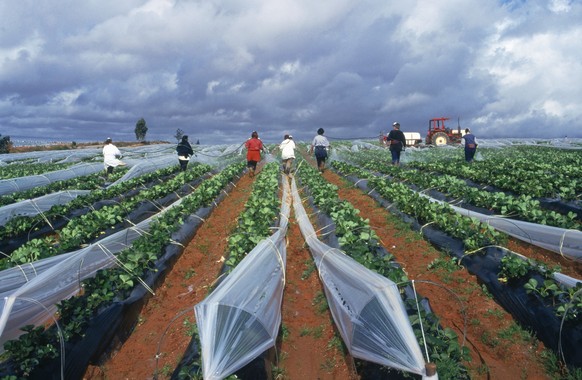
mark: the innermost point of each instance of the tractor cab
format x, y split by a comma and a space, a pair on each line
439, 134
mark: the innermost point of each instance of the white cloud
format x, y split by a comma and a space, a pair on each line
66, 98
560, 6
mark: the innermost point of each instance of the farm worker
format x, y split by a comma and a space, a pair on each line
470, 142
111, 157
397, 142
320, 145
287, 148
184, 150
254, 147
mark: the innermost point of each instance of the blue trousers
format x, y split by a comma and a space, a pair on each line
395, 156
470, 154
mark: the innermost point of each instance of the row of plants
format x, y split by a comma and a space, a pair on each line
515, 272
474, 234
85, 228
358, 240
523, 207
40, 345
539, 172
15, 170
255, 223
88, 182
28, 224
259, 216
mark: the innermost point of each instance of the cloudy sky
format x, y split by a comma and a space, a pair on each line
75, 70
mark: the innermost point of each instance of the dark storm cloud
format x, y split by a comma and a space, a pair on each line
220, 69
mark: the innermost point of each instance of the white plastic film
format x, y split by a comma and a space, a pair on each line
31, 207
31, 291
366, 307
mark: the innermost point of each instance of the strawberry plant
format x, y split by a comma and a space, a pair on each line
259, 216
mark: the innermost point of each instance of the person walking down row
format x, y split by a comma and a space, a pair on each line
111, 157
254, 147
287, 148
320, 145
397, 143
470, 142
184, 150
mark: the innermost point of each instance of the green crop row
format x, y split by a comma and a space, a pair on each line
27, 169
256, 221
27, 224
523, 207
83, 229
87, 182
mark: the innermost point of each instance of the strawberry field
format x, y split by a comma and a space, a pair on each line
101, 278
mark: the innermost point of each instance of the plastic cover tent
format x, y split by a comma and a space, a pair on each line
240, 319
31, 207
9, 186
218, 156
29, 293
560, 240
139, 167
366, 307
563, 241
49, 156
165, 155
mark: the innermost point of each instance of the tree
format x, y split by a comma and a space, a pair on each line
5, 144
141, 129
179, 134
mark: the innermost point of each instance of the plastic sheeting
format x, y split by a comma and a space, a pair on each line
240, 319
366, 307
9, 186
31, 207
142, 159
29, 293
140, 167
560, 240
50, 156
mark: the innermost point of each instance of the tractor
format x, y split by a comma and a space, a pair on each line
439, 134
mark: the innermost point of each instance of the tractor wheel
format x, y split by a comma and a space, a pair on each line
440, 138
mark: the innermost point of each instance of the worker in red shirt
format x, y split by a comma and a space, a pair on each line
254, 147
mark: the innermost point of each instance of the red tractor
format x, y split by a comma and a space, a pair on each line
439, 134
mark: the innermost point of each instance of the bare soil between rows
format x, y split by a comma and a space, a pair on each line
308, 346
